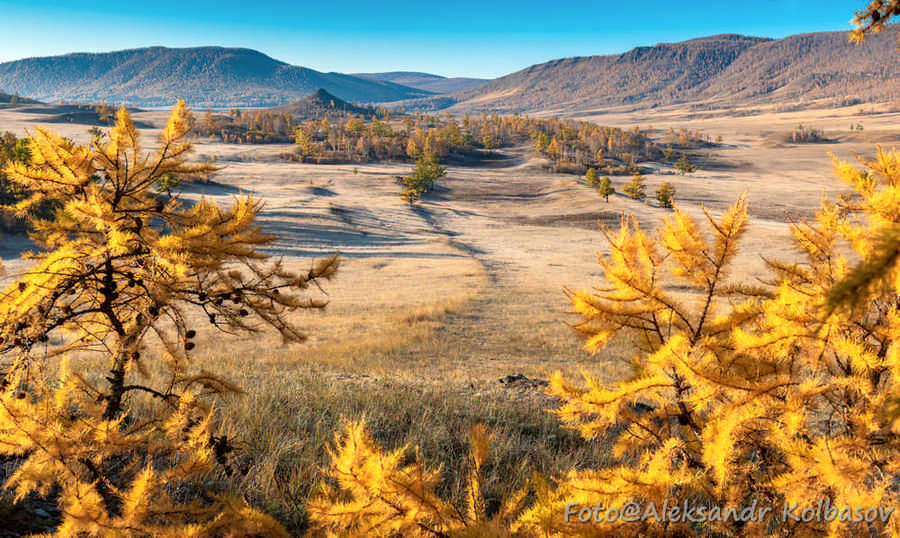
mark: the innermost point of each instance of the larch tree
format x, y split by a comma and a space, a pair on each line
665, 194
123, 272
424, 175
874, 18
606, 188
684, 166
741, 394
377, 494
636, 188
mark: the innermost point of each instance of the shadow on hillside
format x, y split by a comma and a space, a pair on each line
212, 188
491, 159
79, 115
594, 220
718, 164
325, 252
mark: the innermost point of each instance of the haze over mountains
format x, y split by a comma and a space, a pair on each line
426, 81
716, 71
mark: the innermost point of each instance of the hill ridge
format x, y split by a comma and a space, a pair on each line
720, 70
203, 76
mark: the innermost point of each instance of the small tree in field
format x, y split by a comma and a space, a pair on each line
665, 194
426, 172
684, 166
591, 179
124, 273
637, 188
606, 188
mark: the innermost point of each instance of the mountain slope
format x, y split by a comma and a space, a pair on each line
205, 76
723, 70
644, 74
426, 81
813, 66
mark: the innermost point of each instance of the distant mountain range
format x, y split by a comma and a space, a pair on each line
205, 76
426, 81
717, 71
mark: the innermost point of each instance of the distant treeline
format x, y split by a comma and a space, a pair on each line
566, 144
276, 126
341, 137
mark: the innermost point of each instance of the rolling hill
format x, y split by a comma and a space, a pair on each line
7, 99
716, 71
322, 104
426, 81
204, 76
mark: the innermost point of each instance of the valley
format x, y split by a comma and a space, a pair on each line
438, 302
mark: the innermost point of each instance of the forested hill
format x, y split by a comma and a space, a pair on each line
322, 104
722, 70
205, 76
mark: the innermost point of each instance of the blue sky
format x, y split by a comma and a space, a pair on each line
446, 37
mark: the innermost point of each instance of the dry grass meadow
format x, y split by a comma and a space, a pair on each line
434, 304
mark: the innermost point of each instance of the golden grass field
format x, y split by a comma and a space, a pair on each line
434, 304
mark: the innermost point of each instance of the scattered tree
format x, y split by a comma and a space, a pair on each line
665, 194
591, 179
303, 139
96, 133
636, 189
684, 166
104, 112
606, 188
803, 135
668, 152
426, 172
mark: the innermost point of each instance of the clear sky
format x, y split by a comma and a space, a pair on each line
477, 38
